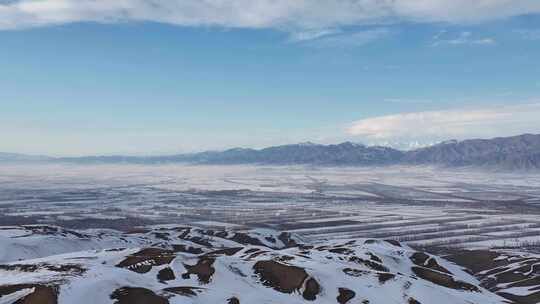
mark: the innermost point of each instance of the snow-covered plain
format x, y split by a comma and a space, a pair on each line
421, 205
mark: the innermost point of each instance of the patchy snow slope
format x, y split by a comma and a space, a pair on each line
191, 265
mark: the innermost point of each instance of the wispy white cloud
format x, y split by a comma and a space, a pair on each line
350, 39
529, 34
280, 14
433, 126
309, 35
463, 38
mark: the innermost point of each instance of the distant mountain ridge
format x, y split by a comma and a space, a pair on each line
21, 157
520, 152
516, 152
346, 153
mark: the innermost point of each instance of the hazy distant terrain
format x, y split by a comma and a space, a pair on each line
505, 153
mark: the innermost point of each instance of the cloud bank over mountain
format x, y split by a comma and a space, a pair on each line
450, 124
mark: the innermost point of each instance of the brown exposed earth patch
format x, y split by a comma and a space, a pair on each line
65, 268
385, 277
287, 240
131, 295
374, 257
256, 254
239, 237
115, 249
186, 291
203, 270
226, 251
9, 289
41, 294
138, 231
305, 247
535, 281
424, 260
251, 250
509, 276
443, 279
199, 241
355, 272
413, 301
52, 230
311, 290
185, 235
142, 261
245, 239
533, 298
284, 258
322, 248
495, 268
477, 260
393, 242
341, 250
271, 239
345, 295
187, 249
166, 274
283, 278
370, 264
162, 236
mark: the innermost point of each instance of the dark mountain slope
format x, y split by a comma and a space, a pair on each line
517, 152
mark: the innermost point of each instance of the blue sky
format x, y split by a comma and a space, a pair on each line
78, 78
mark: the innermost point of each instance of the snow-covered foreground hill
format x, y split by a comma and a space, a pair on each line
47, 265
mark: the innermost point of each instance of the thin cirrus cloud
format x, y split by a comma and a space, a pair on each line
433, 126
530, 34
285, 15
309, 35
349, 39
463, 38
